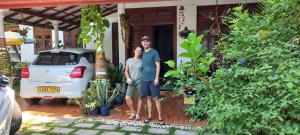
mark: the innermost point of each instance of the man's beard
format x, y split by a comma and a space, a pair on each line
146, 47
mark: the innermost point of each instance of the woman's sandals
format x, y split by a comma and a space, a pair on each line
137, 117
132, 116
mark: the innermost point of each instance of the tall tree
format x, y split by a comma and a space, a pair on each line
93, 26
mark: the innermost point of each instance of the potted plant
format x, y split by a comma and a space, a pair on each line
105, 96
89, 102
190, 77
116, 76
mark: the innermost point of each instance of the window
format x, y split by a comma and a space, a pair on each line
60, 58
69, 42
37, 44
89, 56
48, 44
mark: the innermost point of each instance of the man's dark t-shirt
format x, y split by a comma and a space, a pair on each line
149, 67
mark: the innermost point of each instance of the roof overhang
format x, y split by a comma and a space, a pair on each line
39, 13
13, 4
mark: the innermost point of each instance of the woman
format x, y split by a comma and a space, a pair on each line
133, 73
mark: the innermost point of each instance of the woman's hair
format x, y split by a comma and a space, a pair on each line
136, 48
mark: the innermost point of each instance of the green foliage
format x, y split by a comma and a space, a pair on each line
98, 94
116, 74
104, 94
93, 24
187, 75
22, 64
90, 99
8, 24
257, 91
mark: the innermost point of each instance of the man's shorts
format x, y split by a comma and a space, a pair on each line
131, 88
149, 89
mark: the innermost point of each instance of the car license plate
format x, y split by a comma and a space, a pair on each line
48, 89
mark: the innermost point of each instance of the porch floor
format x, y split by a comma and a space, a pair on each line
172, 110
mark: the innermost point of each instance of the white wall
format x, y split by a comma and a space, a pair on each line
107, 38
190, 13
27, 50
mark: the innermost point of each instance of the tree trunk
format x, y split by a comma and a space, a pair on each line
4, 59
101, 65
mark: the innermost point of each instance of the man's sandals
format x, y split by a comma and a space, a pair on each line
161, 122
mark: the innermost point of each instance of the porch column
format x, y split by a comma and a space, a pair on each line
4, 58
190, 13
122, 48
55, 26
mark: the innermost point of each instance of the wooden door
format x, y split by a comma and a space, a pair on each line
137, 32
115, 44
142, 22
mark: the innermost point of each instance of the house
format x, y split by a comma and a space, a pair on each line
161, 20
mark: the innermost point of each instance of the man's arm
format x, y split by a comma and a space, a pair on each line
156, 81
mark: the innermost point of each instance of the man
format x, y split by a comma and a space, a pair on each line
150, 78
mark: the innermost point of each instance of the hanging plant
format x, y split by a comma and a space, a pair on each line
24, 31
185, 33
181, 16
125, 28
94, 25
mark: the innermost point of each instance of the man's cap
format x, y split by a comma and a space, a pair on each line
145, 38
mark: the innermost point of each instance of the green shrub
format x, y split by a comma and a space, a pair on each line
186, 77
257, 91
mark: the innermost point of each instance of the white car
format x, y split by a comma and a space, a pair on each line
58, 73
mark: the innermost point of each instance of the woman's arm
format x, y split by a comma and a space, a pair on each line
128, 80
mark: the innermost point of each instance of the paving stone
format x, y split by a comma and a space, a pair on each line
107, 127
62, 130
184, 132
158, 131
136, 134
84, 125
132, 128
86, 132
63, 121
37, 134
38, 128
213, 134
42, 120
112, 133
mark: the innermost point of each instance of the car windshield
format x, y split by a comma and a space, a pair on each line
60, 58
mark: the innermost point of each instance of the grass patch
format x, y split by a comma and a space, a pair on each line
172, 130
16, 85
145, 128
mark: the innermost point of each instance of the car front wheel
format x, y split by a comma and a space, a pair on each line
32, 101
